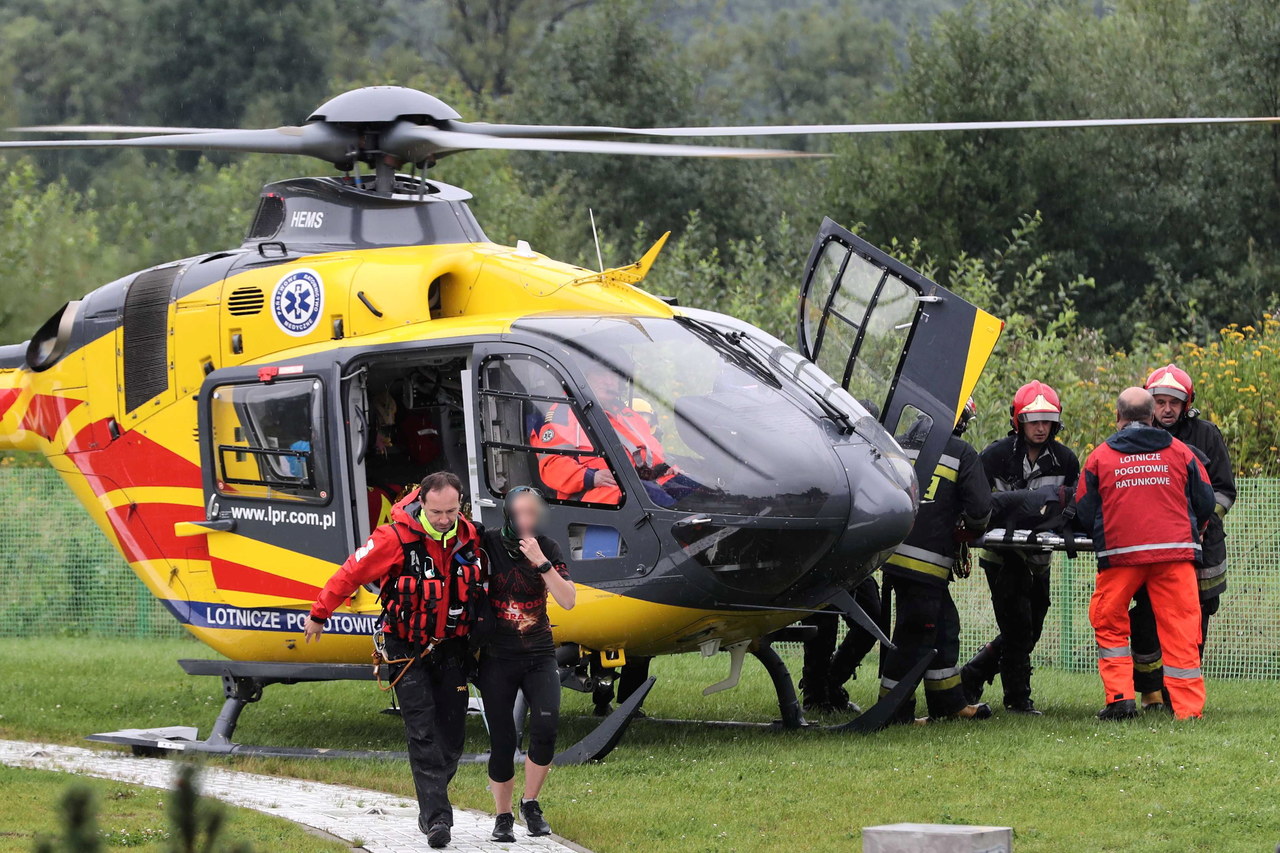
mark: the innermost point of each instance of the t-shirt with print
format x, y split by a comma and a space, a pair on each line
519, 600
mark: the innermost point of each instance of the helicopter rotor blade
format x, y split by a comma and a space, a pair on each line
114, 128
324, 141
522, 131
414, 143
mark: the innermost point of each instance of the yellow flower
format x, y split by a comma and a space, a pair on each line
1231, 361
1248, 329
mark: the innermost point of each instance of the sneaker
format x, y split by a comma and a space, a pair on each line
1125, 709
533, 819
1024, 707
504, 828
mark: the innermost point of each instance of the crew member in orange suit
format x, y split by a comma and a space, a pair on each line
1145, 499
589, 478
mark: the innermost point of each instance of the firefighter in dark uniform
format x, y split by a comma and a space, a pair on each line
1029, 470
1175, 396
956, 505
827, 667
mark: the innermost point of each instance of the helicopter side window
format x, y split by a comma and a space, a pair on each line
533, 434
265, 441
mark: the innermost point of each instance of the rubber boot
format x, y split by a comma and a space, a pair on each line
979, 671
1015, 677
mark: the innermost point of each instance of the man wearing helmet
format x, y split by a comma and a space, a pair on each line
955, 506
1174, 395
1033, 476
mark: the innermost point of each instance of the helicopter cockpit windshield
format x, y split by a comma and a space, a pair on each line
699, 412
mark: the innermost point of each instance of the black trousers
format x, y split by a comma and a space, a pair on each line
825, 666
1020, 599
500, 679
627, 679
433, 705
1148, 661
925, 618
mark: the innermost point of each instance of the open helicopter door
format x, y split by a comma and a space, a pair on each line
909, 348
277, 508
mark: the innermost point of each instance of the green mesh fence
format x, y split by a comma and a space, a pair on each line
59, 575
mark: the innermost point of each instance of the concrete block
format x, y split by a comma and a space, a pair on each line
936, 838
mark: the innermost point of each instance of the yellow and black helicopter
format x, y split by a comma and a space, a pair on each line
236, 422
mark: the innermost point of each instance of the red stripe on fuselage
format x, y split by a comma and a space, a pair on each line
7, 396
45, 413
145, 531
131, 460
234, 577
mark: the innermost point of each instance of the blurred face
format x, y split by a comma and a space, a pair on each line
1169, 409
526, 513
441, 508
608, 386
1037, 433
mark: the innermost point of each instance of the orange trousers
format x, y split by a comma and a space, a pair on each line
1175, 598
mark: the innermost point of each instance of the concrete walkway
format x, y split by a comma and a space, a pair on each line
383, 823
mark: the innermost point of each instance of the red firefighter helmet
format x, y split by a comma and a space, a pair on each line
1036, 401
1172, 381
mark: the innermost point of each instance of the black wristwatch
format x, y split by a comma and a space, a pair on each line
545, 566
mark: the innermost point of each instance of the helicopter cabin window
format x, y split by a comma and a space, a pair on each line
265, 439
868, 319
534, 435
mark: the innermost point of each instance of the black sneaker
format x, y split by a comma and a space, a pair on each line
504, 828
533, 819
1125, 709
1025, 707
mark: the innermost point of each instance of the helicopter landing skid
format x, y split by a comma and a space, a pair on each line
244, 681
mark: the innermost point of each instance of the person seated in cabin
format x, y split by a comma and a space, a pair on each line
589, 478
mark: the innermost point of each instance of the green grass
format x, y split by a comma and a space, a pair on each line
1063, 781
129, 816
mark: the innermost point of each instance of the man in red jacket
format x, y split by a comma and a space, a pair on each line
1145, 500
426, 563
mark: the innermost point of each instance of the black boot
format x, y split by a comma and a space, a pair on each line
980, 670
439, 834
1015, 677
1024, 707
1125, 709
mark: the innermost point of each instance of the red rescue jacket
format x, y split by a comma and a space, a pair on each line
1144, 498
573, 477
446, 576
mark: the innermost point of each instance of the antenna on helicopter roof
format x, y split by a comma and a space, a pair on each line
595, 236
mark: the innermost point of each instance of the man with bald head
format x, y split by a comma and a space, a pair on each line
1145, 500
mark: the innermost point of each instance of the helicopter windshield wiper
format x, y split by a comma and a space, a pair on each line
829, 409
729, 344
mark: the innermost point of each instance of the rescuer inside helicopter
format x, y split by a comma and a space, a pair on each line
426, 562
588, 478
519, 656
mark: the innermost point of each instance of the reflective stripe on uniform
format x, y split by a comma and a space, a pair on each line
1116, 652
1046, 480
919, 560
1211, 572
1223, 501
1178, 672
1148, 662
948, 467
1162, 546
942, 679
887, 684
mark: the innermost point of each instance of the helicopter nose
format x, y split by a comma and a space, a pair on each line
882, 504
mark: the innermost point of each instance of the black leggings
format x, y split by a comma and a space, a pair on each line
499, 681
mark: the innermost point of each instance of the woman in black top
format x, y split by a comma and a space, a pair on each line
519, 655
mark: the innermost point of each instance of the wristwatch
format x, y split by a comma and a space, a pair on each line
545, 566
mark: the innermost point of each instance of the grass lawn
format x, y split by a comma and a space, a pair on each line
1064, 782
128, 816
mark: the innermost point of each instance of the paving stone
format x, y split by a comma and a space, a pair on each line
384, 822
